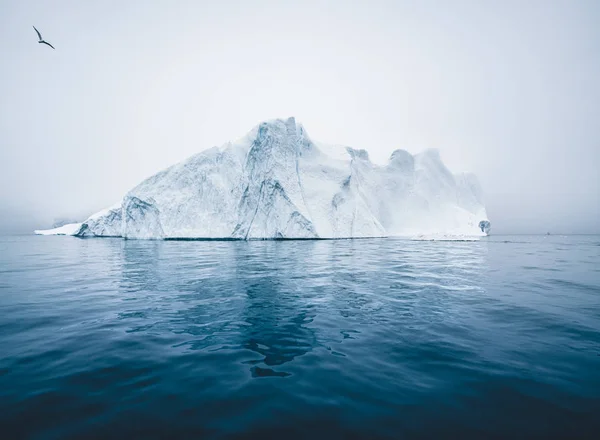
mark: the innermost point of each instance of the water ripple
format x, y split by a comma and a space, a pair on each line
367, 338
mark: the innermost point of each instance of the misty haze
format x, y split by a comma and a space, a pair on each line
504, 90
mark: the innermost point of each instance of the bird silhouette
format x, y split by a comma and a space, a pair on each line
41, 39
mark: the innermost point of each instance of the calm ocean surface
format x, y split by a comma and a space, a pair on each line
309, 339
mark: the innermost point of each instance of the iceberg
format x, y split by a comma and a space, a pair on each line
277, 183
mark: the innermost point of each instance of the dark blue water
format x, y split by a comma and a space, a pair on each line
315, 339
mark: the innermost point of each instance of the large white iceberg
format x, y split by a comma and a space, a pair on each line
277, 183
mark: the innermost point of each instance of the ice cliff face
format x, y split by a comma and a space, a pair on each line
277, 183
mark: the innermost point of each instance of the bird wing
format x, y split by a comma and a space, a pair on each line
38, 32
45, 42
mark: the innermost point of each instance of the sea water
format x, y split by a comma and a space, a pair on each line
378, 338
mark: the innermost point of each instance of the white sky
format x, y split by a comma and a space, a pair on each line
509, 90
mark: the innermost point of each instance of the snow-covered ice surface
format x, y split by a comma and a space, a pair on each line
277, 183
70, 229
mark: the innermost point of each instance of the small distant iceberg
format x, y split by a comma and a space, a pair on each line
277, 183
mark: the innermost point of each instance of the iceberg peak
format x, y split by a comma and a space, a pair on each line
358, 154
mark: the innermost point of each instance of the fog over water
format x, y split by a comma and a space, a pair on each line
508, 90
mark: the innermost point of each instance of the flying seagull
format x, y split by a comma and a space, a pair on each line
41, 39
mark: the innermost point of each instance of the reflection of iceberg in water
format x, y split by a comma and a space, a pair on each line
140, 265
277, 313
220, 296
140, 284
263, 305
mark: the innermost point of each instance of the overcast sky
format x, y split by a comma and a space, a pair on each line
507, 89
